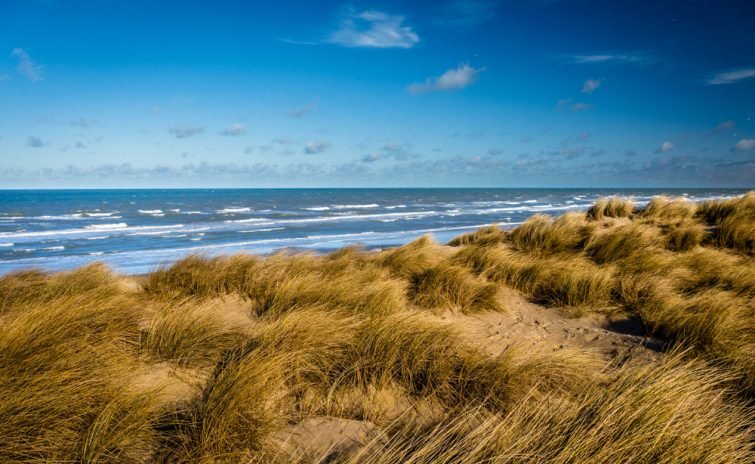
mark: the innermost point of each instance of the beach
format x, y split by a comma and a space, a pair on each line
134, 231
623, 333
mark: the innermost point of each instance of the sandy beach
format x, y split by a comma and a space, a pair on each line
620, 334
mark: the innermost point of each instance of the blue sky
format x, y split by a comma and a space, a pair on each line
468, 93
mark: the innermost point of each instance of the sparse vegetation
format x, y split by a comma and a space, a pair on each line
226, 359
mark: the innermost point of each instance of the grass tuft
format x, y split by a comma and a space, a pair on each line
615, 207
543, 234
188, 333
483, 236
663, 208
453, 287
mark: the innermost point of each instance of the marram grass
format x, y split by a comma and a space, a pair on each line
237, 350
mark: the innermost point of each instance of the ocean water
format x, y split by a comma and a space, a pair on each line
135, 231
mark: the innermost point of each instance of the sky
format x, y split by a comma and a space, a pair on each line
457, 93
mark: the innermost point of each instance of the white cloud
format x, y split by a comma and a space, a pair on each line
82, 122
303, 111
35, 142
285, 141
453, 79
372, 157
312, 148
466, 12
396, 151
745, 144
665, 147
591, 85
611, 58
184, 131
725, 125
26, 66
374, 29
572, 105
731, 77
234, 130
262, 149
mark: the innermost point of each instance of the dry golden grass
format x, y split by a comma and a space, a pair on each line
236, 410
555, 281
188, 333
732, 220
615, 207
27, 287
272, 342
411, 259
656, 266
621, 242
665, 209
453, 287
710, 267
198, 276
685, 235
483, 236
631, 418
543, 234
428, 359
64, 363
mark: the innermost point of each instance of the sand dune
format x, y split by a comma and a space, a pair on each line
621, 335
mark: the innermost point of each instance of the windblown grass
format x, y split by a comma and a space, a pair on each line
63, 367
448, 286
188, 333
411, 259
241, 348
665, 209
482, 236
615, 207
685, 235
621, 242
29, 287
429, 359
560, 281
236, 410
632, 418
657, 266
733, 221
543, 234
204, 277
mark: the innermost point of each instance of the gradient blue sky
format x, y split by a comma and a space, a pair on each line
470, 93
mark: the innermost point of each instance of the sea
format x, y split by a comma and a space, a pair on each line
135, 231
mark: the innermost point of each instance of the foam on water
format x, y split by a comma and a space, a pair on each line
163, 225
234, 210
368, 205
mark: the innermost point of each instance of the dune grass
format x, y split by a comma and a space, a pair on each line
732, 221
615, 207
241, 348
631, 418
665, 264
453, 287
546, 235
187, 333
482, 236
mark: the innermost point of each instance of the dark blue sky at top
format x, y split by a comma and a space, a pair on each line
460, 93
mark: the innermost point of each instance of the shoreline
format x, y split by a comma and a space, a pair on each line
615, 330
